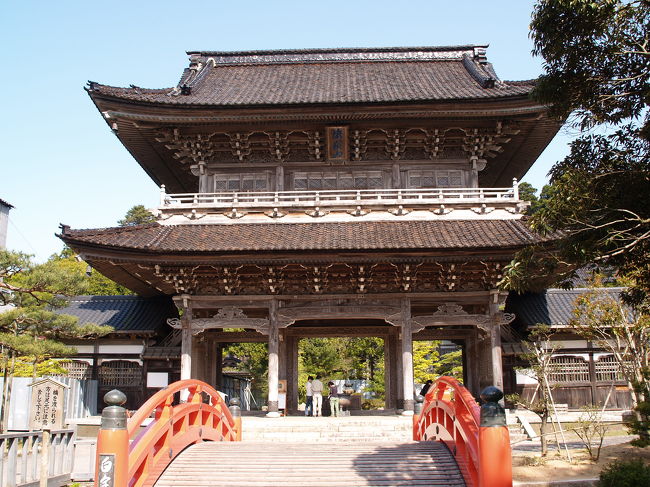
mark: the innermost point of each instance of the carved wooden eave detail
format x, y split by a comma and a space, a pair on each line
487, 322
193, 150
227, 317
336, 311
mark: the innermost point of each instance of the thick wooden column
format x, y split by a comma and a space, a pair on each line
274, 345
199, 359
399, 370
186, 340
282, 354
495, 342
218, 379
471, 359
389, 362
211, 361
407, 358
292, 373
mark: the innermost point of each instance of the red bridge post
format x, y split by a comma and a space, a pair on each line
495, 455
112, 464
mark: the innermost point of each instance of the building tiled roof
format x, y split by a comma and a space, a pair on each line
4, 203
553, 307
329, 76
368, 235
127, 314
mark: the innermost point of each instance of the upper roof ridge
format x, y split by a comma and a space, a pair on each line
347, 54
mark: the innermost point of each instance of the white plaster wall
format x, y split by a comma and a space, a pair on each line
4, 221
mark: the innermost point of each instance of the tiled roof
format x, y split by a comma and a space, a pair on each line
369, 235
4, 203
329, 76
552, 307
127, 314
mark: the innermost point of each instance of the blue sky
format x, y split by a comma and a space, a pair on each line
60, 163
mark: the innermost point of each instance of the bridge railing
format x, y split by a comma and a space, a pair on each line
184, 413
477, 436
25, 458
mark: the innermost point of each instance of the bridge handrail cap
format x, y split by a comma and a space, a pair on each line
114, 398
491, 394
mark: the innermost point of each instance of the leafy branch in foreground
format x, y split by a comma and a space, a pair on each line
625, 333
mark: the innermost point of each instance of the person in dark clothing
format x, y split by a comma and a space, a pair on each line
426, 387
334, 399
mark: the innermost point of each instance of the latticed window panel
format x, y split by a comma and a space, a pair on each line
317, 181
435, 179
241, 182
608, 369
77, 369
567, 369
120, 373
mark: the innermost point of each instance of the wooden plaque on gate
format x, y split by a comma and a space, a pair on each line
47, 404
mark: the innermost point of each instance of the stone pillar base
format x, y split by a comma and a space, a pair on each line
273, 410
409, 407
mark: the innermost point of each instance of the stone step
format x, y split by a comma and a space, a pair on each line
327, 429
260, 464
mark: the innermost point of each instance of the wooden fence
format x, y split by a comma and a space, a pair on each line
22, 462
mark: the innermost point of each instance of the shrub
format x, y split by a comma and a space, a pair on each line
372, 404
630, 473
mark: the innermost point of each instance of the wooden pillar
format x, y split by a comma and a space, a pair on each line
471, 357
399, 383
274, 345
218, 358
497, 365
199, 359
211, 361
292, 373
186, 340
495, 342
389, 400
592, 375
407, 358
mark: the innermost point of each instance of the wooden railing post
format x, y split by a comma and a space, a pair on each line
495, 456
112, 465
44, 466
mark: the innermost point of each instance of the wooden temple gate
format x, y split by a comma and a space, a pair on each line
282, 322
329, 191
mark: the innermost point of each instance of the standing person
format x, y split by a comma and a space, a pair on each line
317, 393
334, 399
309, 403
426, 387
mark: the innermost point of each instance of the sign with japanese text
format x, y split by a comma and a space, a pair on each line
47, 405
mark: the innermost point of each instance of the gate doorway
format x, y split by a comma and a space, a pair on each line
436, 358
355, 364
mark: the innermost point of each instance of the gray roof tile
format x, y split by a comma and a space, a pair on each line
127, 314
362, 235
552, 307
381, 75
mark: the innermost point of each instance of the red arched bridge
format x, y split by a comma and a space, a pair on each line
193, 439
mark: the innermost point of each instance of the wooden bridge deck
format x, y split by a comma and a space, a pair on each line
266, 464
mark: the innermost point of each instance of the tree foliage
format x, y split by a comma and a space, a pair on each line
93, 282
538, 356
137, 215
31, 326
625, 333
597, 62
596, 58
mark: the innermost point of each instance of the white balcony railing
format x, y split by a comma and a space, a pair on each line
340, 199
